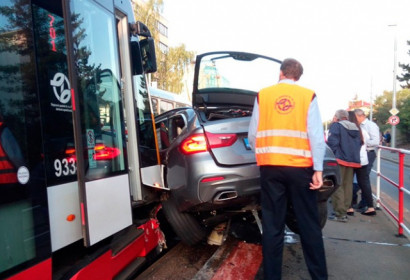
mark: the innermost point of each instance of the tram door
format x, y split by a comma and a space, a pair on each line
99, 127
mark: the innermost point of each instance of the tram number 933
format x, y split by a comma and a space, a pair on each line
65, 167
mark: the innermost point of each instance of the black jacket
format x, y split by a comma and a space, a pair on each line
345, 141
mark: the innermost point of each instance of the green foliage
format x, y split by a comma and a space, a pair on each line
403, 104
177, 61
405, 77
382, 106
149, 14
171, 65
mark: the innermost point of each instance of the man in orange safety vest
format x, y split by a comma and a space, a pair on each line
286, 134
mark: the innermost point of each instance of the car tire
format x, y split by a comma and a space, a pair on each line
186, 227
291, 218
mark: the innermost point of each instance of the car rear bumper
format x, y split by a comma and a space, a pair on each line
229, 187
205, 185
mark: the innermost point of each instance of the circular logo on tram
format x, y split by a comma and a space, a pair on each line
23, 175
284, 104
61, 87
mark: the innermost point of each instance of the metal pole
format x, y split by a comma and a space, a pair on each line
371, 99
401, 194
378, 179
393, 127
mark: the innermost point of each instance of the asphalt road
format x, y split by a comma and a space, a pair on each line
363, 248
390, 170
389, 194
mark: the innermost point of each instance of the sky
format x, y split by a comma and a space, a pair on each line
346, 47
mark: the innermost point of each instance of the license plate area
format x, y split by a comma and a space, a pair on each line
246, 143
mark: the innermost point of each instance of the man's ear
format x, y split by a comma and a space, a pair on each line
281, 75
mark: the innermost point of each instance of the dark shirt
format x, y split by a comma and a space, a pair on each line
345, 142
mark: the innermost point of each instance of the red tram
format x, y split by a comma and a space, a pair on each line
79, 167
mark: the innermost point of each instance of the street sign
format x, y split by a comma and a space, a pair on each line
394, 111
394, 120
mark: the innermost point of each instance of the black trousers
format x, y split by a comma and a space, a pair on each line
278, 184
363, 181
371, 156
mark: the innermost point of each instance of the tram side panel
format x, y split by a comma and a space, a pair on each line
42, 217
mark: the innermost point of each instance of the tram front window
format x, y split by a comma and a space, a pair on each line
99, 90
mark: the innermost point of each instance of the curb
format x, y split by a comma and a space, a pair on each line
395, 161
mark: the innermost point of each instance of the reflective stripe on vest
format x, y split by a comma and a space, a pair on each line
285, 151
282, 137
282, 132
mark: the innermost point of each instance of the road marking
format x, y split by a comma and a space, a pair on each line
367, 242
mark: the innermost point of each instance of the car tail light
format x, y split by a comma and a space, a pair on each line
221, 140
212, 179
194, 144
103, 152
197, 143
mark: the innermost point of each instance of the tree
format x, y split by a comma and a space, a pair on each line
171, 63
383, 105
404, 103
175, 65
149, 13
405, 77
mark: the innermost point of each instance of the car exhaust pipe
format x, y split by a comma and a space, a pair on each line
225, 195
328, 184
327, 189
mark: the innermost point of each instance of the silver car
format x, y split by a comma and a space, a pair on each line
210, 169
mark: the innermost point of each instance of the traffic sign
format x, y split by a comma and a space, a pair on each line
394, 120
394, 111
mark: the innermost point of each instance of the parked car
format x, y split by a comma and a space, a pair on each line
211, 171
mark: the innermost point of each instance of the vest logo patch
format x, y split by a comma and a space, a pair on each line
284, 104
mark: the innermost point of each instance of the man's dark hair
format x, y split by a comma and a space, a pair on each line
291, 68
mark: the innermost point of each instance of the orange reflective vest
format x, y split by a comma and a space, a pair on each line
281, 137
8, 173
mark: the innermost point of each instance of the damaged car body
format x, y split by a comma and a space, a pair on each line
210, 169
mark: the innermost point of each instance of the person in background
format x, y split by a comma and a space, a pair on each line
363, 179
286, 134
164, 136
371, 145
387, 138
345, 141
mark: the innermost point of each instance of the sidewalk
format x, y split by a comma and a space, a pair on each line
366, 248
363, 248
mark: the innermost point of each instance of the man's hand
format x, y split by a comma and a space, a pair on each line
317, 180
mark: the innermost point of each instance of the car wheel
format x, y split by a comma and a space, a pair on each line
185, 225
291, 218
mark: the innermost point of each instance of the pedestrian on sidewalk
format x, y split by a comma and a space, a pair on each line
286, 134
362, 177
387, 138
371, 145
345, 142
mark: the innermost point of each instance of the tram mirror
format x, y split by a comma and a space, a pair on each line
140, 29
149, 61
136, 59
